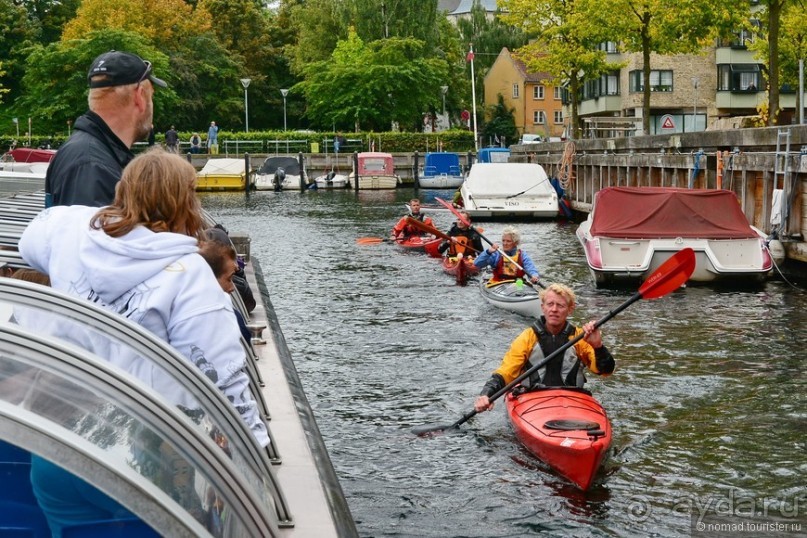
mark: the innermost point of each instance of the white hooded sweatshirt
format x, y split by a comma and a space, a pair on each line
157, 280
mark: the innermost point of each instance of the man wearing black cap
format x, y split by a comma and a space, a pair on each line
87, 167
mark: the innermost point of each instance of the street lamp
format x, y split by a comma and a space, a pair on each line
444, 90
245, 83
695, 82
284, 92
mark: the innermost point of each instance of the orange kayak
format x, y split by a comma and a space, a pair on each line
461, 269
418, 242
566, 428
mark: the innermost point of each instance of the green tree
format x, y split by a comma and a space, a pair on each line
564, 45
55, 85
318, 28
52, 16
488, 37
777, 51
18, 31
501, 123
371, 85
793, 47
664, 27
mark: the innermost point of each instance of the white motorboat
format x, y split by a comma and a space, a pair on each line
441, 170
509, 190
376, 171
331, 180
513, 295
631, 231
280, 174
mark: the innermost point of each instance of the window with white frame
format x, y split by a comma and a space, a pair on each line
558, 117
558, 93
515, 91
538, 92
538, 117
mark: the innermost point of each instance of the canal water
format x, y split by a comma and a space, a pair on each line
707, 402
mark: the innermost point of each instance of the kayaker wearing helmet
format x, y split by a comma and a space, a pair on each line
462, 236
545, 336
402, 229
504, 269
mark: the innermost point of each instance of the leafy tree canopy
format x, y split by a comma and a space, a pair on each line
166, 23
372, 84
56, 81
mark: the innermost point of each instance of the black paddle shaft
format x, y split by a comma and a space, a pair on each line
507, 388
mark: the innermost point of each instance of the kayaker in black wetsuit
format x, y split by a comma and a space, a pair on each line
550, 332
462, 236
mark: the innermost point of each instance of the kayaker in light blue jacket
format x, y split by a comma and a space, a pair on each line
504, 269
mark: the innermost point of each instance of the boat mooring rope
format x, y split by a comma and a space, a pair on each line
565, 175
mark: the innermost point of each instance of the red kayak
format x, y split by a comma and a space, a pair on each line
417, 242
565, 428
461, 269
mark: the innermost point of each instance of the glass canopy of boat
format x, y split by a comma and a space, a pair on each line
111, 422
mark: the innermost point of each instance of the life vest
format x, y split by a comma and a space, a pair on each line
460, 247
410, 230
562, 371
507, 270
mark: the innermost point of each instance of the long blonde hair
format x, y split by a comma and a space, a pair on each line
158, 191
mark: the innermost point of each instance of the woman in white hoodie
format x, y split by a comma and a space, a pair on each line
139, 257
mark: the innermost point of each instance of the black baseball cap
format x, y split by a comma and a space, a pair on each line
116, 68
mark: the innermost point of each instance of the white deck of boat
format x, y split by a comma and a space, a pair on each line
298, 474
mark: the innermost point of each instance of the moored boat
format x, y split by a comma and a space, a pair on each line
441, 170
513, 295
222, 175
376, 171
509, 190
106, 426
331, 180
631, 231
566, 428
280, 173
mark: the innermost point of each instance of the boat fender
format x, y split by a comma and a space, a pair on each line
777, 251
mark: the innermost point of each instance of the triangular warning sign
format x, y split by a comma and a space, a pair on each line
668, 123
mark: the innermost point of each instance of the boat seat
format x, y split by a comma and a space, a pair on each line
110, 528
19, 520
571, 425
15, 477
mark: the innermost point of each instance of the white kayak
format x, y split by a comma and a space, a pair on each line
510, 295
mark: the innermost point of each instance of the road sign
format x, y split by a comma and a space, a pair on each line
667, 122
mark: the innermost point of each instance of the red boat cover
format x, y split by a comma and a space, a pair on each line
661, 212
31, 155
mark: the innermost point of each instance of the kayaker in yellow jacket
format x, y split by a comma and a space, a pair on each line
545, 336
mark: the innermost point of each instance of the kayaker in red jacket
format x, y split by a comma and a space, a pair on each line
545, 336
402, 230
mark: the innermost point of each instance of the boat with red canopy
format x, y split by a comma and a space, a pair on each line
631, 231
